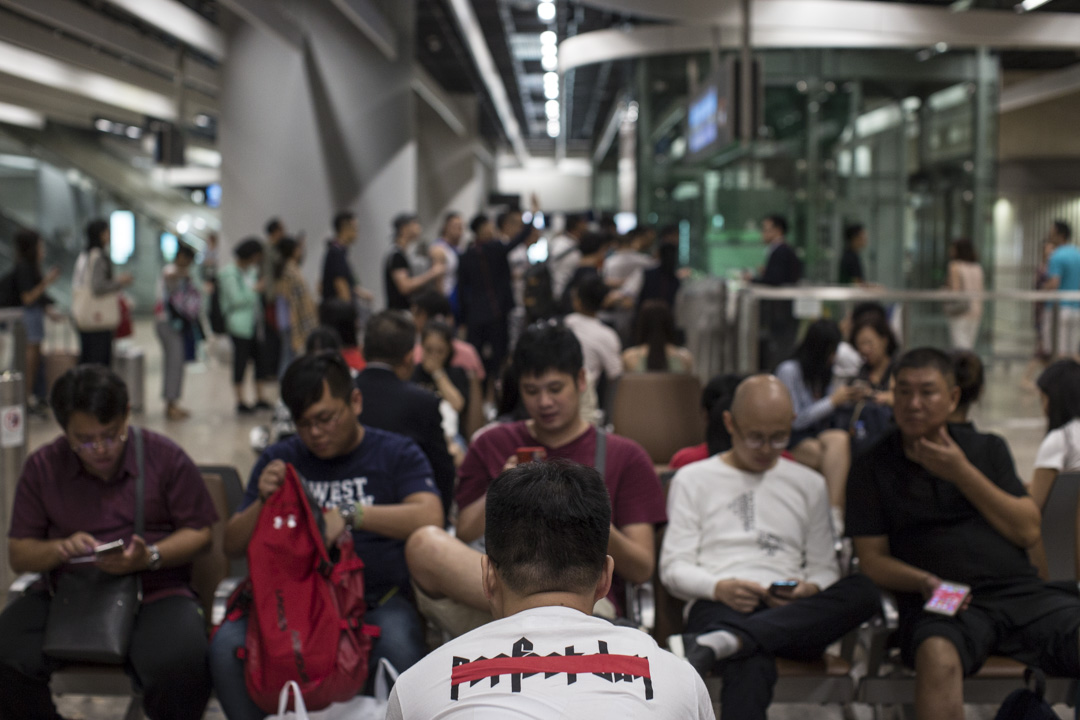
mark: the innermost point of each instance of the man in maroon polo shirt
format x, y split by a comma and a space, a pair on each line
550, 373
78, 492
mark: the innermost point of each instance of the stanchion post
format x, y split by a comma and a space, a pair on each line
13, 438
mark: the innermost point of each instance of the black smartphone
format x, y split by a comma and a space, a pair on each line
781, 588
109, 547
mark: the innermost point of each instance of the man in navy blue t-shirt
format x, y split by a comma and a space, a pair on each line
377, 484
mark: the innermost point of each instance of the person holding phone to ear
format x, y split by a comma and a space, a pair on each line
749, 545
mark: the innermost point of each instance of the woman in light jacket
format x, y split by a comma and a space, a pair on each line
294, 304
97, 270
964, 273
241, 292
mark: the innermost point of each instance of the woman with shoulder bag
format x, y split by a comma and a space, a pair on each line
95, 296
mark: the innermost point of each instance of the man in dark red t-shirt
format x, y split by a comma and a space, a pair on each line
548, 363
78, 492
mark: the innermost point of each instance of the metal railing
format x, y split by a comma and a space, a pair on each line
722, 318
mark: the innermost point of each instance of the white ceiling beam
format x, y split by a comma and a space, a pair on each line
842, 24
21, 116
368, 18
1047, 86
60, 106
80, 21
37, 68
485, 63
179, 21
267, 15
430, 92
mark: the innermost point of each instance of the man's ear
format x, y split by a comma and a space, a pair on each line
603, 585
490, 577
582, 381
954, 395
356, 400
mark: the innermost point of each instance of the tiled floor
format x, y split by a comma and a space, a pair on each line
214, 434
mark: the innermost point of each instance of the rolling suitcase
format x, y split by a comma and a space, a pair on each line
59, 353
130, 364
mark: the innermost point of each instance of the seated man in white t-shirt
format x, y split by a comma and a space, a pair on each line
750, 546
545, 656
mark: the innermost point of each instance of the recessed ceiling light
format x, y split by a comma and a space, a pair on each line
546, 11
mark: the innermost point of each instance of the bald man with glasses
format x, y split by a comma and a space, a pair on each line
750, 547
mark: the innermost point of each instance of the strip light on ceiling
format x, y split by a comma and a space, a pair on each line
1029, 5
23, 117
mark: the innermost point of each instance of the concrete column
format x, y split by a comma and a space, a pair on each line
326, 125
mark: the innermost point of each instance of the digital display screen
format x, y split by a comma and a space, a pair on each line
213, 195
169, 245
702, 118
121, 236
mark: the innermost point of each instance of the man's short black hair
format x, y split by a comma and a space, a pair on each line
322, 339
248, 248
927, 357
1063, 229
547, 526
342, 219
779, 221
341, 316
273, 225
302, 384
591, 293
91, 389
432, 303
502, 218
546, 346
592, 243
402, 220
185, 250
575, 221
478, 222
852, 231
389, 337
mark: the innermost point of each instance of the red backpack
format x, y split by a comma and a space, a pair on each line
305, 613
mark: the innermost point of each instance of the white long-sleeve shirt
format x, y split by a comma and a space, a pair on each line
727, 523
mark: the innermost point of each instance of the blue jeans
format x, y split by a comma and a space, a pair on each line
401, 642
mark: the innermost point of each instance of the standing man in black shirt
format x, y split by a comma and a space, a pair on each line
338, 281
782, 268
400, 280
485, 294
851, 267
933, 503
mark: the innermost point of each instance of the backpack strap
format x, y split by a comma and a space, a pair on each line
600, 460
140, 482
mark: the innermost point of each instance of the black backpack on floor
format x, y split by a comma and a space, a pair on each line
1026, 703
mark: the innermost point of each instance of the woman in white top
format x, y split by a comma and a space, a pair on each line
1059, 388
964, 274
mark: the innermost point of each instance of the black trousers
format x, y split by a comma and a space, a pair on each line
167, 660
96, 347
492, 341
800, 630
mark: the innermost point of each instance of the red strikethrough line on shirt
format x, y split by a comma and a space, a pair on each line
571, 665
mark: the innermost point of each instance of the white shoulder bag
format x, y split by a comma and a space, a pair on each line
91, 312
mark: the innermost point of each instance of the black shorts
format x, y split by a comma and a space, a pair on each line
1030, 621
246, 350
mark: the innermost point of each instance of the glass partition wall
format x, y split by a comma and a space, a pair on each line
902, 142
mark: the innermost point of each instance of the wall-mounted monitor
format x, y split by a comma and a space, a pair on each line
121, 236
169, 245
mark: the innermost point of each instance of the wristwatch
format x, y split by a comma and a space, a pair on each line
155, 558
352, 514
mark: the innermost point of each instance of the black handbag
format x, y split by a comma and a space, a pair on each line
92, 613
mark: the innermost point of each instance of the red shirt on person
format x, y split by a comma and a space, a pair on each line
57, 498
635, 491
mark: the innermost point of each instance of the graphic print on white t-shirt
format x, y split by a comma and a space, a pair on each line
584, 662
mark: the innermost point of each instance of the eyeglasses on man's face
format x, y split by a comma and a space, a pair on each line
324, 421
756, 441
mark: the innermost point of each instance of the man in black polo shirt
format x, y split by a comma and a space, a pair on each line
933, 503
